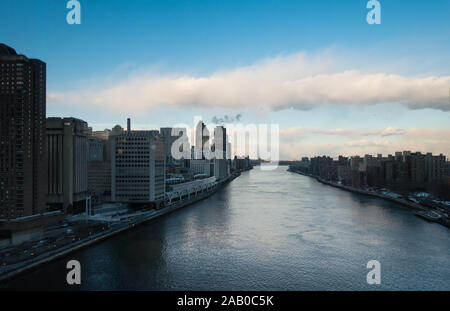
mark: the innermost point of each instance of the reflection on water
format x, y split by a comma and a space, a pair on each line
267, 230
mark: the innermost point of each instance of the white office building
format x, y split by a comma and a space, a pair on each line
137, 167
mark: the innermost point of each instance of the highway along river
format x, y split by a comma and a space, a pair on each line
266, 230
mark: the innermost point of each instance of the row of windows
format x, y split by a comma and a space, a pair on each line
142, 197
131, 158
121, 154
143, 191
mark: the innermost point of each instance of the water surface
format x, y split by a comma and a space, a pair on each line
266, 230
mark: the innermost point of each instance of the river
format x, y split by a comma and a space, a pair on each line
266, 230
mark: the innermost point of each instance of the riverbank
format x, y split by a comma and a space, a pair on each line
419, 210
237, 239
11, 271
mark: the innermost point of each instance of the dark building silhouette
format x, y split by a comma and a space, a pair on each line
67, 145
23, 170
241, 163
406, 171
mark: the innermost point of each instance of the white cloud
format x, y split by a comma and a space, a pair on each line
297, 81
388, 131
299, 131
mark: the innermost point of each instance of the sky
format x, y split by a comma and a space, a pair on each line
332, 82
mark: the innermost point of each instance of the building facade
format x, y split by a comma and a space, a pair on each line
404, 171
169, 140
205, 167
95, 149
22, 135
137, 167
67, 149
220, 142
99, 169
201, 142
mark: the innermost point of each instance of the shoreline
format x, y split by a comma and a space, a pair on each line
417, 208
28, 265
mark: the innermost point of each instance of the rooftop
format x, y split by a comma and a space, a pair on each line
6, 50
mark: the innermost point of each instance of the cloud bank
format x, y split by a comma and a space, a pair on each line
294, 81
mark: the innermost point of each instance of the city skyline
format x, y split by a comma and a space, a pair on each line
114, 75
247, 146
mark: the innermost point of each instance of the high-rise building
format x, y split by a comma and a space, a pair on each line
416, 168
406, 171
201, 141
220, 152
67, 146
220, 142
169, 140
137, 167
434, 168
99, 168
22, 135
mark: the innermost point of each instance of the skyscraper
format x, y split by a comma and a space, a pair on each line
220, 152
201, 140
169, 140
220, 142
23, 178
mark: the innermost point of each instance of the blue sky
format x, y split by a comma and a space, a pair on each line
121, 40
